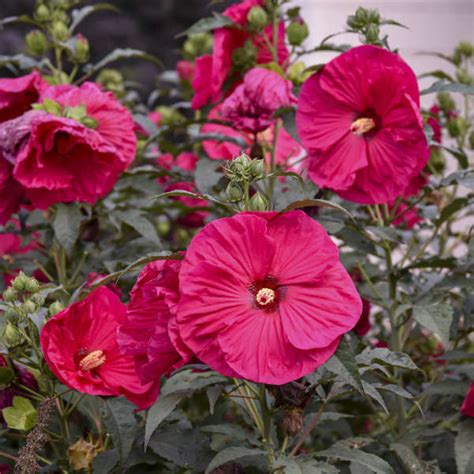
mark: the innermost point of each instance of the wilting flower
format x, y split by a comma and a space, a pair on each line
80, 347
149, 332
467, 408
211, 72
18, 94
252, 105
259, 304
73, 148
359, 120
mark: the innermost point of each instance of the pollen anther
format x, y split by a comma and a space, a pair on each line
93, 360
362, 125
265, 296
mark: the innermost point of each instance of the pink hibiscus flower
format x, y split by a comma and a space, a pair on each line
467, 408
80, 347
18, 94
149, 332
185, 70
212, 71
59, 159
257, 303
252, 105
360, 122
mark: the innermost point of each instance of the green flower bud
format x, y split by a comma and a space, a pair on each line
373, 16
437, 161
36, 42
258, 202
42, 13
197, 45
32, 285
169, 115
234, 192
454, 128
19, 283
257, 168
10, 295
296, 73
60, 31
11, 314
293, 12
257, 18
464, 50
28, 307
38, 299
111, 80
55, 308
244, 58
471, 140
297, 31
81, 49
372, 33
362, 15
446, 102
11, 336
463, 76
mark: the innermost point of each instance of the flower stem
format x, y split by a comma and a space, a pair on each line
267, 427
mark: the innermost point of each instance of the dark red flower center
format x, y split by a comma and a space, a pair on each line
365, 123
266, 293
88, 360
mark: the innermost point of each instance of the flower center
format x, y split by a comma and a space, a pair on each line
265, 296
92, 360
362, 125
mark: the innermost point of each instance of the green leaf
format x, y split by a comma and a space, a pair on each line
105, 461
21, 416
464, 177
395, 359
448, 388
118, 54
159, 411
370, 461
80, 14
232, 454
311, 466
208, 24
434, 262
372, 392
453, 207
66, 225
119, 418
396, 389
287, 465
18, 19
443, 86
408, 458
22, 61
188, 381
386, 233
135, 219
289, 123
317, 203
213, 394
437, 318
345, 355
458, 153
463, 447
208, 174
6, 376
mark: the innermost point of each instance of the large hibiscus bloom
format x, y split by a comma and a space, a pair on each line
259, 303
80, 347
56, 158
149, 332
359, 120
211, 72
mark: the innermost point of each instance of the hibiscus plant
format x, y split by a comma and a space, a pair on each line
263, 265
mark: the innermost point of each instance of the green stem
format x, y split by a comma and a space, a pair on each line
267, 427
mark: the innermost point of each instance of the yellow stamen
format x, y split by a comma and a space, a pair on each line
265, 296
92, 360
362, 125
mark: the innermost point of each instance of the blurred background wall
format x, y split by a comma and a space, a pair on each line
151, 25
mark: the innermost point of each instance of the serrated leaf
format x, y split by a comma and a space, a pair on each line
66, 225
437, 318
135, 219
208, 24
232, 454
372, 392
118, 54
371, 461
80, 14
346, 357
463, 447
121, 424
159, 411
443, 86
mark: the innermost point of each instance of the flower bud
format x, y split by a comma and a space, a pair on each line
11, 336
36, 42
373, 16
42, 13
258, 202
372, 33
38, 299
197, 45
28, 307
234, 192
169, 115
463, 76
10, 295
446, 102
437, 161
257, 168
32, 285
11, 314
257, 18
297, 31
60, 31
244, 58
55, 308
111, 80
464, 50
293, 421
453, 128
296, 73
362, 15
20, 281
81, 49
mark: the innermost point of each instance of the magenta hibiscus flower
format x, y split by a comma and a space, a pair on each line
257, 303
74, 154
149, 333
80, 347
360, 122
467, 408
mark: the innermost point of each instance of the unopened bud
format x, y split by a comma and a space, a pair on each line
471, 140
296, 73
234, 192
32, 285
20, 281
81, 46
36, 42
55, 308
257, 168
293, 421
197, 45
257, 18
111, 80
463, 76
28, 307
373, 16
372, 33
11, 336
169, 115
60, 31
297, 31
38, 299
42, 13
10, 295
464, 50
446, 102
258, 202
245, 57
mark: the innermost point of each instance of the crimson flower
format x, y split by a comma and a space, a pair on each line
149, 332
80, 347
360, 122
257, 303
467, 408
